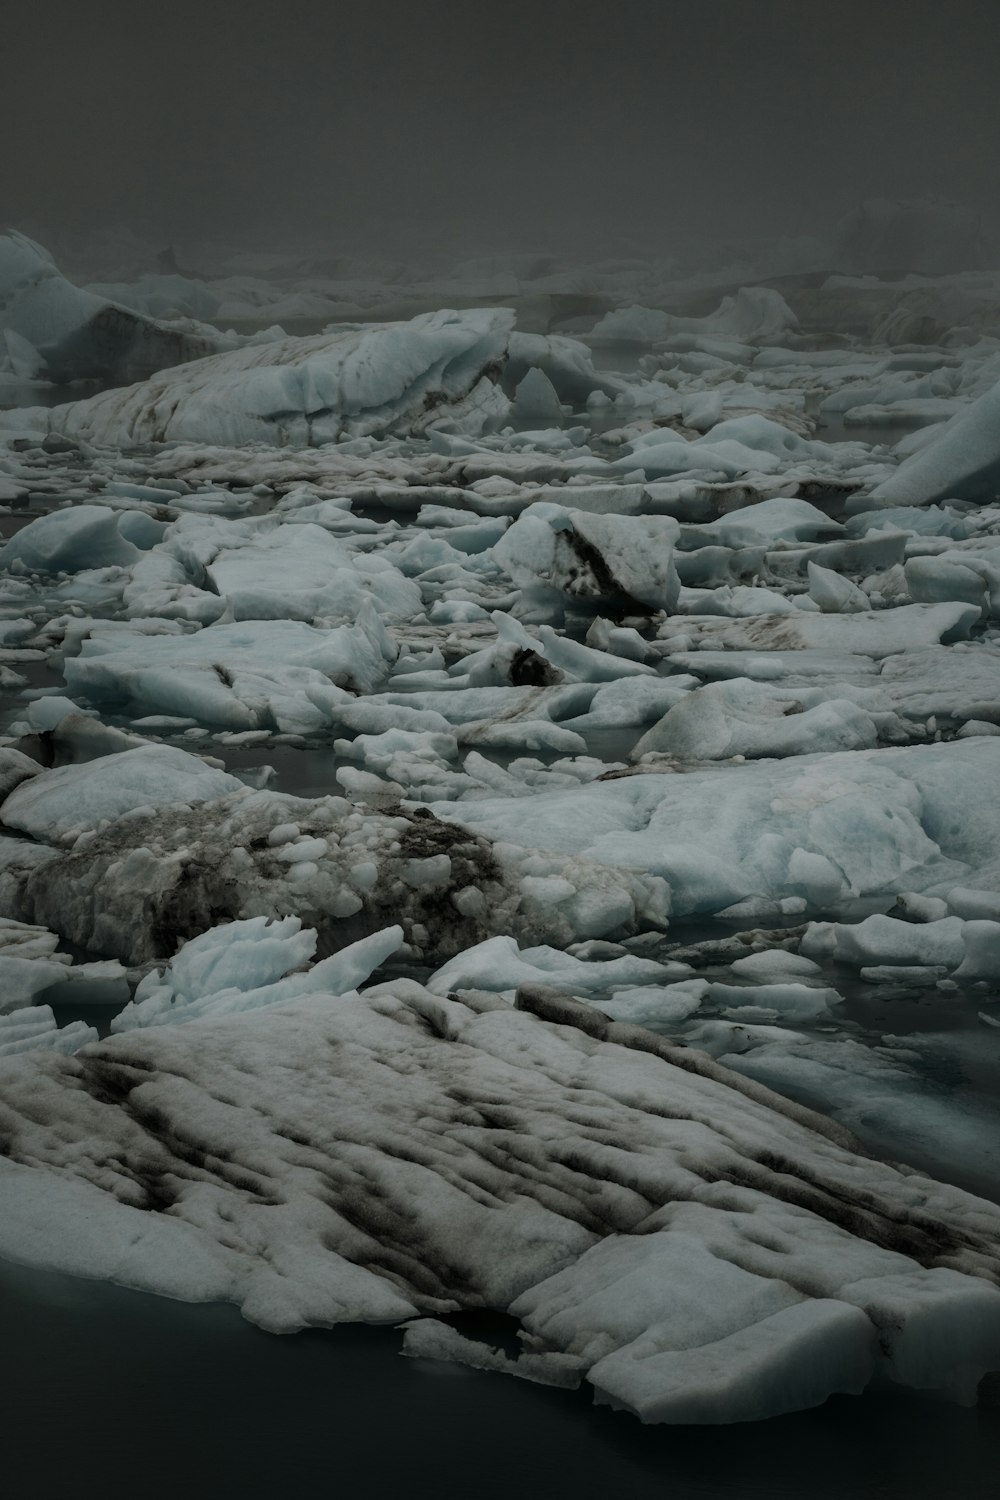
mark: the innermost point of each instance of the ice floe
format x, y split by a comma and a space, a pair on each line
727, 1257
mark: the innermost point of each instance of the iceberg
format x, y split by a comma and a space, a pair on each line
302, 392
961, 461
80, 335
932, 236
754, 315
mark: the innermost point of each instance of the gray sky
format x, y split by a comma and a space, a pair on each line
389, 123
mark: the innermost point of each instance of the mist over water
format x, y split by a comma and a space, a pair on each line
588, 129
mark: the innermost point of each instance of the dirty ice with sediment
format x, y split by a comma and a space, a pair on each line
498, 806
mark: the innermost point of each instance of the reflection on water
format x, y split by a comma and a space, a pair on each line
110, 1386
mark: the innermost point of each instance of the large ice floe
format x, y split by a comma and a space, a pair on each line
299, 392
481, 831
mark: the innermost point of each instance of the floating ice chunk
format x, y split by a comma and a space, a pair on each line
551, 658
934, 1329
58, 802
726, 459
378, 751
885, 940
632, 325
770, 521
974, 905
833, 593
917, 908
15, 767
788, 1361
300, 572
774, 966
929, 520
34, 1029
658, 1006
566, 363
239, 676
536, 400
982, 951
737, 602
427, 1338
22, 979
23, 359
931, 579
593, 556
962, 461
878, 633
632, 701
162, 296
240, 955
793, 1002
917, 976
14, 632
24, 940
746, 718
499, 965
880, 820
727, 1258
754, 314
248, 965
66, 541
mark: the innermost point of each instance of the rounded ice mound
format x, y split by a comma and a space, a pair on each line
67, 541
780, 519
54, 803
740, 717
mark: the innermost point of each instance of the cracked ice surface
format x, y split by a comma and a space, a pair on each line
623, 1200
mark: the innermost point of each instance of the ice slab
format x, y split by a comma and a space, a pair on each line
731, 1258
282, 673
819, 827
66, 800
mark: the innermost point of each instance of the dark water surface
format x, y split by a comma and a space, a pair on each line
112, 1392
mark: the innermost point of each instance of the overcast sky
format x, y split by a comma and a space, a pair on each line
386, 122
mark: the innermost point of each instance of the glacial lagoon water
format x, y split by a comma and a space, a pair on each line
112, 1392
